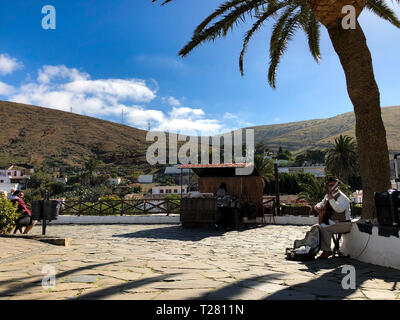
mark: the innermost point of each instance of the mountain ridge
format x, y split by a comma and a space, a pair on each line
36, 135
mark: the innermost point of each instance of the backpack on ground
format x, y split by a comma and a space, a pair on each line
307, 248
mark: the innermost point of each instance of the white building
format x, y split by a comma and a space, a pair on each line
145, 178
357, 196
6, 185
169, 189
15, 174
318, 171
114, 181
174, 170
13, 177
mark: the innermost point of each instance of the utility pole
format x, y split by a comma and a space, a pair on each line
277, 199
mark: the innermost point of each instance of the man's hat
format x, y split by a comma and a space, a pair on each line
332, 179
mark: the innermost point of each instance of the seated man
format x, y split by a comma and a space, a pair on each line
25, 219
334, 213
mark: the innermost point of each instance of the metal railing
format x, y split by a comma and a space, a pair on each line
120, 207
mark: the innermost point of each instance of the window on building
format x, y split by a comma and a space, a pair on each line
175, 190
161, 191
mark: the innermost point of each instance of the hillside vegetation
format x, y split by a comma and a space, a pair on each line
319, 134
34, 135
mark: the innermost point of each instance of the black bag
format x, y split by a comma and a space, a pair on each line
388, 207
307, 248
24, 220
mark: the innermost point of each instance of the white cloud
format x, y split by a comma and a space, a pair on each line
49, 73
185, 112
174, 102
5, 89
8, 64
60, 87
229, 115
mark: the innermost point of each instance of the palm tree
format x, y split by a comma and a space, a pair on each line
351, 47
90, 167
265, 168
342, 160
313, 191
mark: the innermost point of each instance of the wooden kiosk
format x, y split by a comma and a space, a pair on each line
202, 211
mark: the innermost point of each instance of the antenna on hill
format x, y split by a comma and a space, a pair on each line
70, 109
122, 116
149, 126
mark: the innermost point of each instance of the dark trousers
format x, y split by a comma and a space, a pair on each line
223, 217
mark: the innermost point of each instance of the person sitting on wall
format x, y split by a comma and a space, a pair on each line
11, 195
25, 219
334, 215
222, 195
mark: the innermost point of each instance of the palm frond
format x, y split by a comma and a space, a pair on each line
271, 10
313, 34
221, 27
165, 1
381, 9
282, 33
221, 10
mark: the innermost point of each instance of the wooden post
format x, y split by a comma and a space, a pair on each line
277, 200
180, 176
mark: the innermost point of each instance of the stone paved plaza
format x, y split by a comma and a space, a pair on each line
168, 262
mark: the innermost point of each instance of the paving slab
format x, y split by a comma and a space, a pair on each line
170, 262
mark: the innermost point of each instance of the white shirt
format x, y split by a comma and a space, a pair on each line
342, 204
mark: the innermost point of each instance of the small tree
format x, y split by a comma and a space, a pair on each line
342, 159
313, 191
8, 215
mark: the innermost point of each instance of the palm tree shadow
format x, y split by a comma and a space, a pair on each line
24, 286
174, 233
334, 284
326, 286
119, 289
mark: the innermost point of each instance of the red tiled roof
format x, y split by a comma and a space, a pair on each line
212, 165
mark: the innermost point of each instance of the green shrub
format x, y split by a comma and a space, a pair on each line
8, 216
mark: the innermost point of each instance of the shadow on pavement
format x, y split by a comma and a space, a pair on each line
183, 234
174, 233
326, 286
23, 286
118, 289
329, 284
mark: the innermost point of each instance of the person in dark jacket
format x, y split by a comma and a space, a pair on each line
222, 194
25, 219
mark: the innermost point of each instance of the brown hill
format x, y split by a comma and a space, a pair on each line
320, 133
34, 135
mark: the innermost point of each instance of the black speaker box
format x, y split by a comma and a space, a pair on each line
388, 207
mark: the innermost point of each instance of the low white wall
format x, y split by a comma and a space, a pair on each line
295, 220
375, 249
147, 219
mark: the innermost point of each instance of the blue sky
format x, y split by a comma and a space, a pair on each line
105, 56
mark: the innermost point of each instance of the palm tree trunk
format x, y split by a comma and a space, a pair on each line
355, 57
